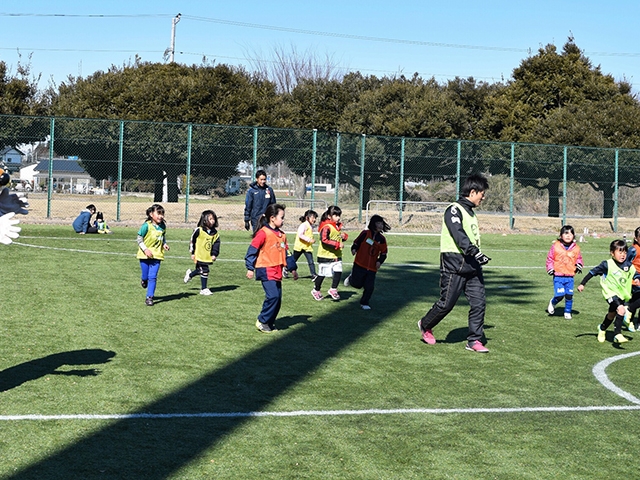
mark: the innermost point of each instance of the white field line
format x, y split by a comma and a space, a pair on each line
598, 372
601, 376
316, 413
132, 254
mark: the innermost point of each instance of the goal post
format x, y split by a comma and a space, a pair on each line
392, 209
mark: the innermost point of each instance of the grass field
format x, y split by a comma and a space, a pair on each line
97, 385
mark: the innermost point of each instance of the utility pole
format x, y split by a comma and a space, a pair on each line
174, 22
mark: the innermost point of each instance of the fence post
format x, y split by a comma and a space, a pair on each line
314, 147
459, 154
511, 182
255, 152
401, 196
52, 123
120, 158
335, 195
615, 197
564, 187
187, 190
362, 150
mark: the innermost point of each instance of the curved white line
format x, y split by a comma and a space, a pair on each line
601, 376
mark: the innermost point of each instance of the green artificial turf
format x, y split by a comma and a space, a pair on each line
351, 394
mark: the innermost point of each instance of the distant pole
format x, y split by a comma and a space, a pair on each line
174, 22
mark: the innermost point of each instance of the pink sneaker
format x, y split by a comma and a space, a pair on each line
427, 335
316, 294
333, 292
476, 346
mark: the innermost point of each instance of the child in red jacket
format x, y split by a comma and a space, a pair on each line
266, 258
370, 251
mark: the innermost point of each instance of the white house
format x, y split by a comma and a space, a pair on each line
11, 158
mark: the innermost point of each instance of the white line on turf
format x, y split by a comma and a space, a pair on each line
122, 254
601, 376
312, 413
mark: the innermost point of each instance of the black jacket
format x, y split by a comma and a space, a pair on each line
466, 262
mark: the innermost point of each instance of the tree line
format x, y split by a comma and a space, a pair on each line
553, 97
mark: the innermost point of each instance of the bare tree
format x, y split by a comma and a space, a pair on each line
288, 66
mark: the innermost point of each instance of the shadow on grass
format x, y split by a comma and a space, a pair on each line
224, 288
146, 448
175, 296
15, 376
286, 322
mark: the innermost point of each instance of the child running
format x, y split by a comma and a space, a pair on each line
616, 277
330, 252
151, 247
267, 257
370, 251
204, 248
564, 260
304, 241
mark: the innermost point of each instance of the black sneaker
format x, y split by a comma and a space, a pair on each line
144, 283
149, 301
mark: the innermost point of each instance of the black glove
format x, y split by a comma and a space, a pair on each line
482, 258
578, 268
247, 225
551, 271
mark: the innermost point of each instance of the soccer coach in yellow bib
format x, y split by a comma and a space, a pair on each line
461, 265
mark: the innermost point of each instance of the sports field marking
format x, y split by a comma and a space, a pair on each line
598, 372
316, 413
601, 376
132, 254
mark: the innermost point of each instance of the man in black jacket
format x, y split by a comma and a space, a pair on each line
259, 197
461, 265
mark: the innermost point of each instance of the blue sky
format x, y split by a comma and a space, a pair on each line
486, 40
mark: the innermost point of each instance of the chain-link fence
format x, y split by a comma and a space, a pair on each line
124, 166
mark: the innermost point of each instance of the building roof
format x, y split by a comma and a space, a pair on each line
61, 165
8, 149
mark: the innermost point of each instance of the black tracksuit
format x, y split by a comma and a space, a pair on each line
459, 273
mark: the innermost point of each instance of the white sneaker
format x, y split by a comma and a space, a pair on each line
365, 307
347, 281
567, 316
206, 291
551, 309
187, 276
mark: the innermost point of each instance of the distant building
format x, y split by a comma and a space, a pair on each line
68, 176
11, 158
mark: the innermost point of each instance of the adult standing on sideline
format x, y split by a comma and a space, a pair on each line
82, 223
461, 265
259, 197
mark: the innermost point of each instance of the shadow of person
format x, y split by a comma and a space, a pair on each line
459, 335
224, 288
175, 296
286, 322
17, 375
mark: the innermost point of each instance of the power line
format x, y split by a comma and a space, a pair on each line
71, 15
312, 32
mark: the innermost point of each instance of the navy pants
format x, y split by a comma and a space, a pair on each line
309, 257
272, 301
365, 279
451, 286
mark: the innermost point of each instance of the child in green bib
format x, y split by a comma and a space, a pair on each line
616, 277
